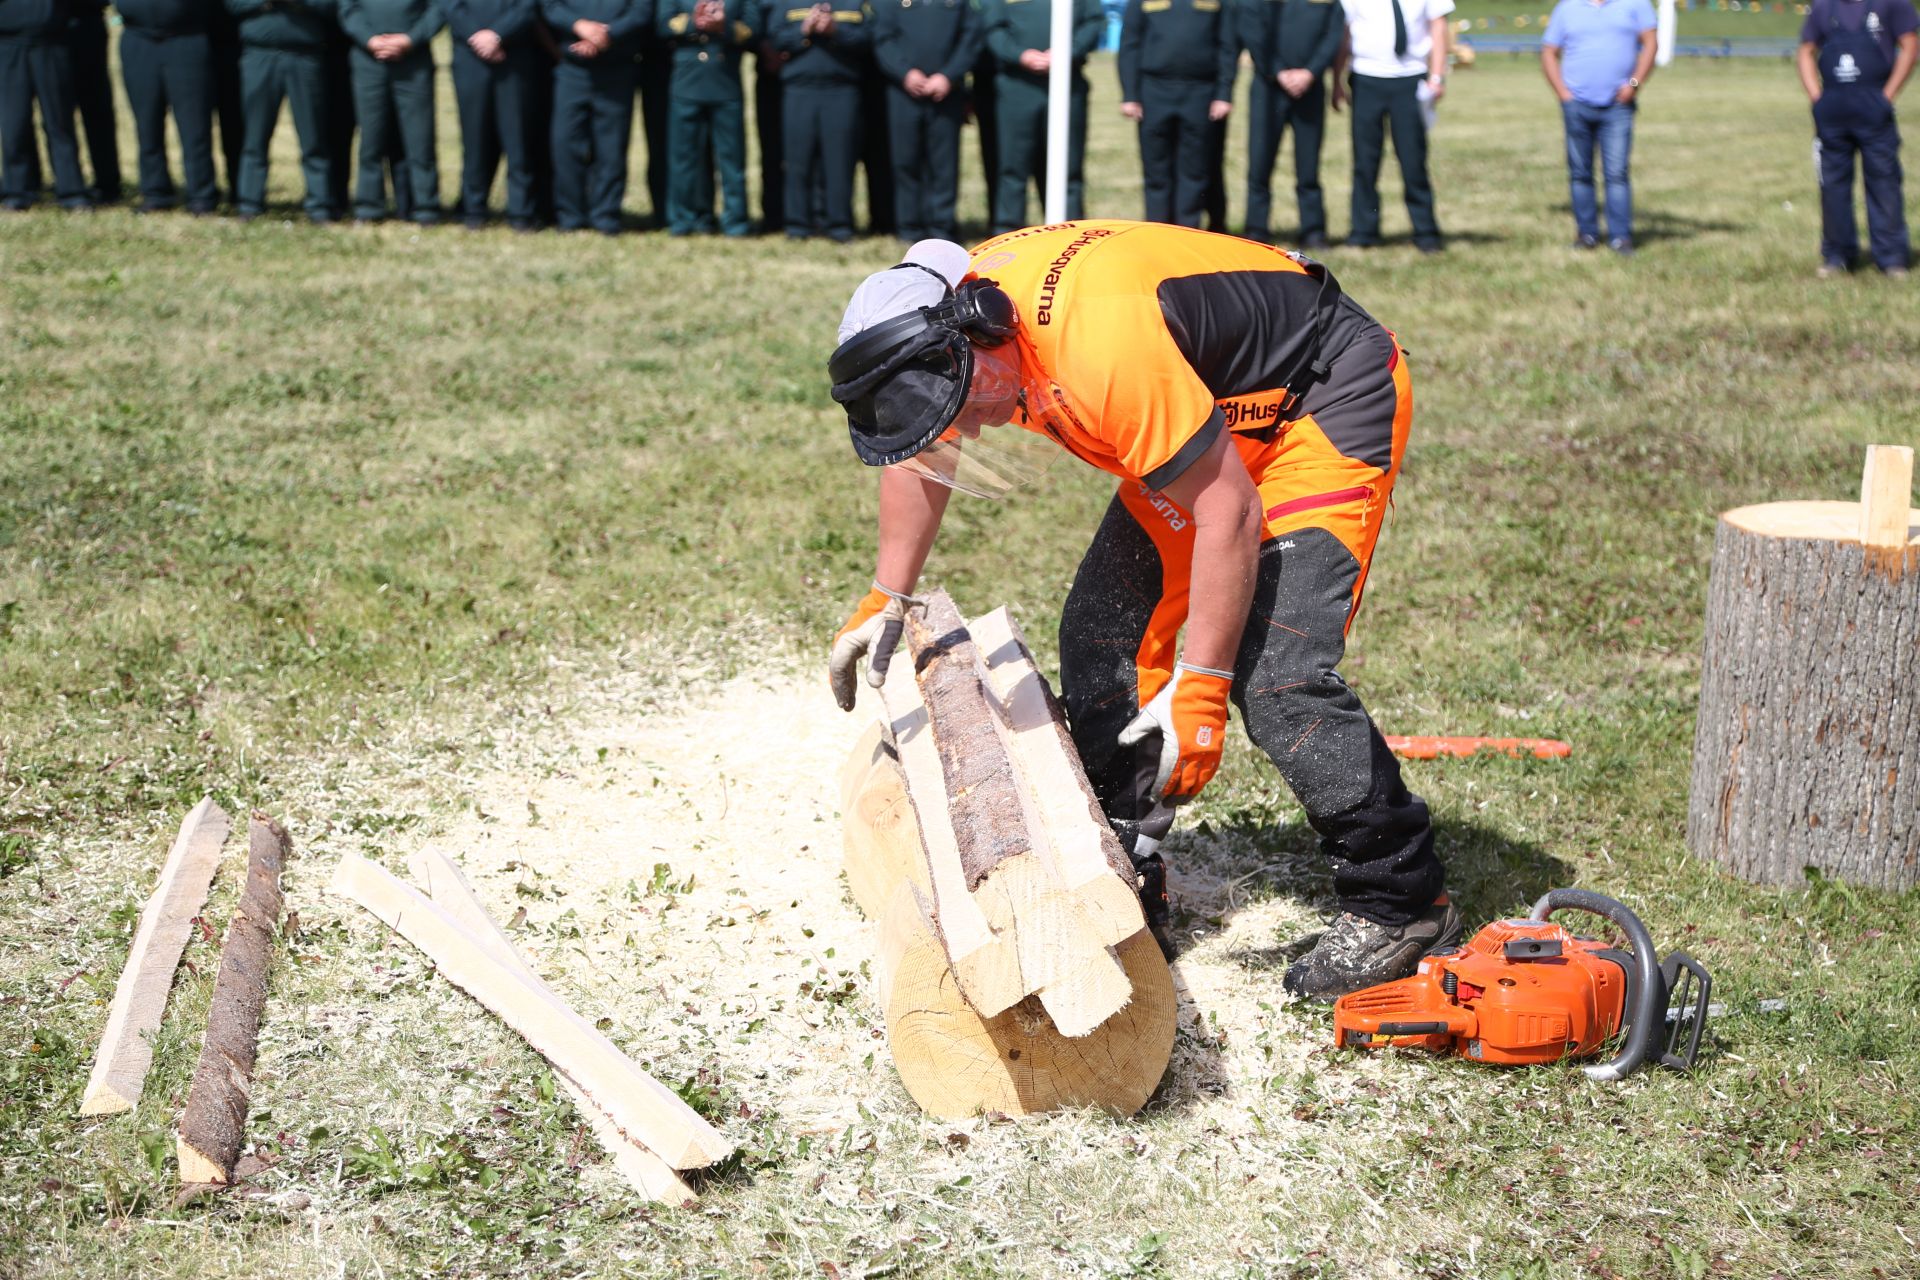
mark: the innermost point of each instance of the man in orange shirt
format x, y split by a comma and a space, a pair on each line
1255, 418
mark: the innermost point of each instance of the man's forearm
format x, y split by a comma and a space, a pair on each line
1550, 67
910, 512
1226, 559
1437, 55
1643, 64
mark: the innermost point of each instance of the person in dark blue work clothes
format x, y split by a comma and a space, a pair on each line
826, 52
496, 71
166, 61
593, 107
1177, 63
1854, 57
1292, 43
36, 63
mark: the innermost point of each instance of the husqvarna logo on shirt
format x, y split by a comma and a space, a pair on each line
1873, 24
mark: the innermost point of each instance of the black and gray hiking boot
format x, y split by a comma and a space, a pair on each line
1355, 952
1150, 878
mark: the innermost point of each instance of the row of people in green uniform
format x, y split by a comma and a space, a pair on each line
549, 86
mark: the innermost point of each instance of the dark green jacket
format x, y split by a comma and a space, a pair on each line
302, 26
839, 59
706, 67
1014, 26
418, 20
1194, 40
938, 37
511, 20
1281, 35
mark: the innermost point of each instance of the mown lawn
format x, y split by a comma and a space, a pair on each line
326, 521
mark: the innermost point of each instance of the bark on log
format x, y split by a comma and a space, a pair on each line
214, 1124
1807, 746
985, 803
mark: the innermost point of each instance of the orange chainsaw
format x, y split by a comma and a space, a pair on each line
1522, 992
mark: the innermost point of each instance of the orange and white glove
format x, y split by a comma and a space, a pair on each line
1190, 715
873, 632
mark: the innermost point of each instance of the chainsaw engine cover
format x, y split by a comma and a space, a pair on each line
1520, 992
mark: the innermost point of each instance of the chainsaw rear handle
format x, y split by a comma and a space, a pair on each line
1648, 1015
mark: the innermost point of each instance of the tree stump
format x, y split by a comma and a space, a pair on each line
1807, 747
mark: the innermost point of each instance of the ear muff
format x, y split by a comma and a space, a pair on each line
984, 312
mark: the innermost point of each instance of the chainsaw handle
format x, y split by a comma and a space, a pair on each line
1649, 993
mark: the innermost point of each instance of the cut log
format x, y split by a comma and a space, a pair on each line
140, 996
987, 967
875, 845
450, 890
955, 1058
1807, 747
1072, 837
956, 1063
213, 1126
641, 1106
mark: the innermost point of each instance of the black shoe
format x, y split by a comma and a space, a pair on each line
522, 226
1314, 240
1586, 242
1150, 878
1622, 246
1430, 247
474, 222
200, 210
1353, 242
1354, 952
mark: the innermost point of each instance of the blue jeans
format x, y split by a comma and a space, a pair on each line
1612, 127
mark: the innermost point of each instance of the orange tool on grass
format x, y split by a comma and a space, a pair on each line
1428, 748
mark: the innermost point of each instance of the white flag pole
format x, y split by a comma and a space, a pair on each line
1664, 23
1061, 47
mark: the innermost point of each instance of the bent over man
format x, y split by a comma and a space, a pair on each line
1255, 418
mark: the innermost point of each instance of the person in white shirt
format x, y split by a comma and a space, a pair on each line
1399, 53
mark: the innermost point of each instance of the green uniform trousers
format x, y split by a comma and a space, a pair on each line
925, 139
393, 102
1176, 148
496, 114
698, 126
1271, 113
1379, 104
820, 125
299, 78
171, 73
592, 124
31, 71
1021, 114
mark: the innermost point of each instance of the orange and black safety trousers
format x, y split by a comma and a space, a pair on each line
1324, 507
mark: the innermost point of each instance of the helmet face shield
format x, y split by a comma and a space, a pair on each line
987, 448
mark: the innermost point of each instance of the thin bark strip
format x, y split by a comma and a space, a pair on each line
988, 824
1807, 747
213, 1126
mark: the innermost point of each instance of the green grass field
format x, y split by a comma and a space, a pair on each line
361, 526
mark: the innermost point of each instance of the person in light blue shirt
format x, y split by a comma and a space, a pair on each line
1597, 55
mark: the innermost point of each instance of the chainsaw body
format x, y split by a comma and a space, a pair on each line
1524, 992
